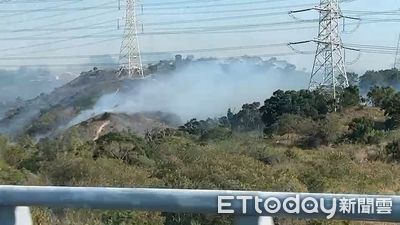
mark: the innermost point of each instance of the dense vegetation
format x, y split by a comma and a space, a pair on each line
382, 78
295, 141
298, 141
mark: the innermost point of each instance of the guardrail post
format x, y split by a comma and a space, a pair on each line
250, 220
15, 216
7, 215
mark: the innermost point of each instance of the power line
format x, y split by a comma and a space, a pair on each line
365, 46
70, 46
164, 31
85, 27
216, 5
181, 2
178, 29
363, 13
161, 23
225, 11
230, 48
106, 34
35, 2
216, 29
41, 37
362, 47
281, 23
185, 30
53, 42
108, 4
45, 17
99, 33
217, 18
58, 9
43, 9
75, 19
92, 26
55, 57
391, 52
32, 37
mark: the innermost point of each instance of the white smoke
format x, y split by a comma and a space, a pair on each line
202, 89
27, 83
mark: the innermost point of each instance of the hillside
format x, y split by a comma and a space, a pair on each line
46, 112
138, 123
83, 134
294, 142
44, 115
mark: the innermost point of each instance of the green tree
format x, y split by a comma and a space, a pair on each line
247, 119
199, 127
311, 104
361, 130
392, 109
295, 124
382, 78
349, 97
380, 96
127, 147
354, 79
325, 131
393, 151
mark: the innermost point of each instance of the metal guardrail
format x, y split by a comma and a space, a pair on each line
242, 204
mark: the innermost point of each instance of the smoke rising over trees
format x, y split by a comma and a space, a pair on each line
204, 89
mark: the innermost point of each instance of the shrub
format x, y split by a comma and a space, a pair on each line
378, 96
76, 171
393, 122
196, 127
131, 218
10, 175
19, 156
325, 132
311, 176
294, 124
305, 103
310, 142
382, 78
392, 110
122, 146
393, 151
247, 119
350, 97
64, 171
361, 130
218, 133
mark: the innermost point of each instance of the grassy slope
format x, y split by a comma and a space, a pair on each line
244, 161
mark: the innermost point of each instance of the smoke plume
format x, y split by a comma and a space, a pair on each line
203, 89
27, 83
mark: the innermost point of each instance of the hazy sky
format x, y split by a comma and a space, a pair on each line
90, 28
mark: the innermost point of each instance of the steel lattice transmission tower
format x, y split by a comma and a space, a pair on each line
130, 59
397, 58
329, 71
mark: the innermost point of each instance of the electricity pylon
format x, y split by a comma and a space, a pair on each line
130, 59
329, 71
397, 59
